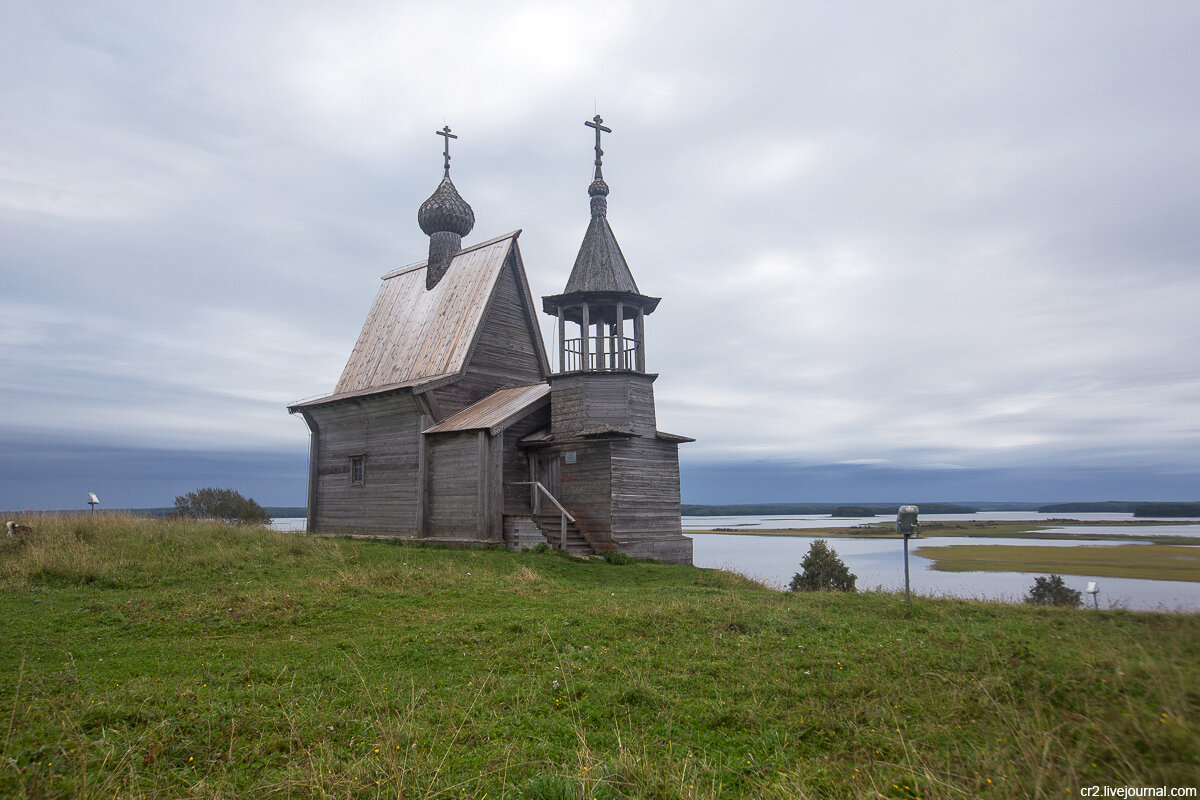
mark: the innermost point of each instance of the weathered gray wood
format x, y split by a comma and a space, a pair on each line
583, 402
518, 464
495, 516
414, 332
454, 491
386, 430
422, 520
482, 493
639, 333
314, 445
429, 351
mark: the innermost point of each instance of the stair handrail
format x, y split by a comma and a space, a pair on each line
566, 515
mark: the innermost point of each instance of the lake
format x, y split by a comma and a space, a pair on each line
879, 563
799, 522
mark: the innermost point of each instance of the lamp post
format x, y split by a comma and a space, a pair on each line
906, 526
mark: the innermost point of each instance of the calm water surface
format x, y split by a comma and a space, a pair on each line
785, 522
880, 562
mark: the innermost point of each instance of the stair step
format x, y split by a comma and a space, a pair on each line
551, 527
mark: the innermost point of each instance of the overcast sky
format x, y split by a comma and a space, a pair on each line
953, 242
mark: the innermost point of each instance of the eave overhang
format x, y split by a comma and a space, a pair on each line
601, 305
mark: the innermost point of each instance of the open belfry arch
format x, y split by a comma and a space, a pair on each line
448, 423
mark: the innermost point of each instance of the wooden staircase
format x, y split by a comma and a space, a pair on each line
550, 524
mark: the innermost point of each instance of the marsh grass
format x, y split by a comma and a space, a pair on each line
1153, 561
155, 659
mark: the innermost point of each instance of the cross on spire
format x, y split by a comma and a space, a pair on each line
445, 131
598, 123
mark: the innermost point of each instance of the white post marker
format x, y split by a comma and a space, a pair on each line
1093, 591
93, 501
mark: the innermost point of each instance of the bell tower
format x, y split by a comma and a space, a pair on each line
601, 302
611, 466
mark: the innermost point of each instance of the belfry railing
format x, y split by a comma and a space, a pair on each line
605, 354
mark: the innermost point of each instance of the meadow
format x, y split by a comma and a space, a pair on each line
166, 659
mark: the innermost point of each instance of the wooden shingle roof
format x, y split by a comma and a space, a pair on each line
600, 265
413, 332
418, 338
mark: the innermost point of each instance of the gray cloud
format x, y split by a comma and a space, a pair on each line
912, 234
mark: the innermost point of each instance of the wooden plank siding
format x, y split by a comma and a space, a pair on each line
386, 431
645, 497
508, 343
588, 402
515, 462
585, 486
645, 487
455, 486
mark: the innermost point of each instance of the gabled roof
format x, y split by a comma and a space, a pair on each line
419, 338
496, 411
413, 332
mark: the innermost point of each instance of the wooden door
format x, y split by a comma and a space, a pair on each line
546, 472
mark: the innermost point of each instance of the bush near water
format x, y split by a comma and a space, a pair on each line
174, 658
223, 505
822, 569
1050, 590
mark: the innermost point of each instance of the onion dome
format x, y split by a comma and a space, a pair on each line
446, 211
445, 218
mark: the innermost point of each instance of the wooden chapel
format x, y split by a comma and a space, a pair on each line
448, 423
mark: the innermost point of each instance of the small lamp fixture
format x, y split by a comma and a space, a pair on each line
906, 526
1093, 590
93, 501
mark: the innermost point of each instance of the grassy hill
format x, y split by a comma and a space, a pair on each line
157, 659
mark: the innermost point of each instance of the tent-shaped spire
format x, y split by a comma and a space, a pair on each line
600, 295
600, 267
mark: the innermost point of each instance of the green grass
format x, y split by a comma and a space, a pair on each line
155, 659
1152, 561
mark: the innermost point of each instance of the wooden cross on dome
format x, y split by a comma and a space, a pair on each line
445, 131
598, 123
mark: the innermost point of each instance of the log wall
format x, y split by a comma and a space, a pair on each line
515, 468
386, 431
454, 486
507, 350
584, 486
584, 401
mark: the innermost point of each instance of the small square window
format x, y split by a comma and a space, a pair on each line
358, 470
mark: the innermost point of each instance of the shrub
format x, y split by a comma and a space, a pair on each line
1051, 591
225, 505
618, 558
823, 570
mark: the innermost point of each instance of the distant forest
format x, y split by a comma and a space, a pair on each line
1114, 506
1167, 510
776, 509
1126, 507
